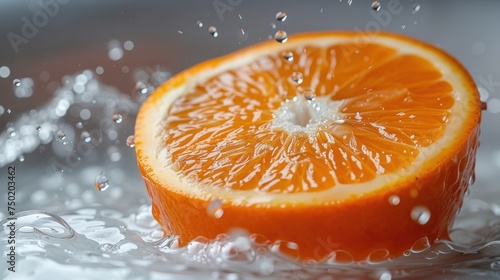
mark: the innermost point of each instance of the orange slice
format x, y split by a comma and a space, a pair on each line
360, 143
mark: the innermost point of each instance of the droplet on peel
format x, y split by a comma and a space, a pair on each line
101, 182
421, 215
394, 200
85, 136
213, 31
131, 141
214, 209
117, 118
376, 6
281, 16
287, 55
281, 36
484, 106
61, 135
16, 82
309, 94
297, 77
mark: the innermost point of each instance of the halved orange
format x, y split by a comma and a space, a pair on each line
336, 141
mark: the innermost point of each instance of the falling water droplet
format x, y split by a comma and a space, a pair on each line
117, 118
394, 200
79, 125
495, 265
21, 158
281, 16
213, 31
214, 209
421, 215
287, 55
141, 88
309, 94
281, 36
61, 135
38, 127
199, 23
16, 82
297, 77
131, 141
101, 182
85, 136
12, 132
416, 8
376, 6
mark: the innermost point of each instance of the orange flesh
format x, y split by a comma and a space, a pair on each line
221, 132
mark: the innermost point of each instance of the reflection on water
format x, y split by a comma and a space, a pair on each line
81, 140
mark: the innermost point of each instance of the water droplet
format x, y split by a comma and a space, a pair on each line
61, 135
309, 94
472, 179
281, 36
394, 200
376, 6
85, 136
16, 82
115, 51
297, 77
213, 31
495, 265
4, 72
214, 209
141, 88
288, 56
386, 275
21, 158
421, 214
131, 141
199, 23
101, 182
416, 8
79, 125
117, 118
484, 106
38, 127
281, 16
273, 25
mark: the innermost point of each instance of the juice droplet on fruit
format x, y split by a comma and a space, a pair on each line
394, 200
420, 214
297, 77
214, 209
101, 182
281, 16
85, 136
131, 141
281, 36
117, 118
309, 94
376, 6
288, 56
213, 31
61, 135
16, 82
